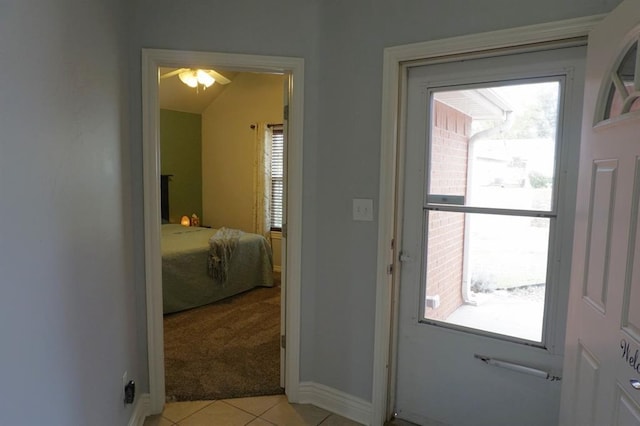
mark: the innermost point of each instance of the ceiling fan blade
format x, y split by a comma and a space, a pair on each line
221, 79
174, 72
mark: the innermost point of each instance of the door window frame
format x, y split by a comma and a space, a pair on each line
613, 85
431, 204
396, 60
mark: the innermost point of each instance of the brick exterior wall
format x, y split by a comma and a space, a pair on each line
449, 151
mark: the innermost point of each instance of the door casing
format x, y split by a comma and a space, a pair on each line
423, 343
152, 60
393, 96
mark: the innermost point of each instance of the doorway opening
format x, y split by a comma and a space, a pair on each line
292, 71
396, 62
222, 150
477, 227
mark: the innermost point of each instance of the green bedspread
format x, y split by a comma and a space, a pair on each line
186, 282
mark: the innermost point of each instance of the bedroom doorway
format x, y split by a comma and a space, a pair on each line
221, 162
160, 65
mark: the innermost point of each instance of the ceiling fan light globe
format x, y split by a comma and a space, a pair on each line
189, 78
205, 78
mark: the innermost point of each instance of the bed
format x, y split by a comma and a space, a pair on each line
186, 279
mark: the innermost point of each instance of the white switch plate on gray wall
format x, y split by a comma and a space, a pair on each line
363, 209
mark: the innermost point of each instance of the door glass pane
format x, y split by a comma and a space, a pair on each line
494, 146
487, 272
626, 74
489, 207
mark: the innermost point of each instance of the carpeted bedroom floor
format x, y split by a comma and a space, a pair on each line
227, 349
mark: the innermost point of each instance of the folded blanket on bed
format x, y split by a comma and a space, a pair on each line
221, 246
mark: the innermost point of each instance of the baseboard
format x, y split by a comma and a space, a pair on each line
336, 401
141, 409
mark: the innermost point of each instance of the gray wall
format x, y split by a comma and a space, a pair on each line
67, 294
282, 28
342, 43
72, 253
353, 36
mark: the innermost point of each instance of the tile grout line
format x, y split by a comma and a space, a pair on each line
240, 409
191, 414
264, 420
325, 419
256, 415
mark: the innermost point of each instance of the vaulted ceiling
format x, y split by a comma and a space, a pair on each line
177, 96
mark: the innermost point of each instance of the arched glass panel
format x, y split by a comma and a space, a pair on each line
622, 89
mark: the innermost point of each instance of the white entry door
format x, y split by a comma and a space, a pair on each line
602, 367
489, 177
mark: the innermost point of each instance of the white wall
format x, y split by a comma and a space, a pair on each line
229, 148
67, 294
342, 43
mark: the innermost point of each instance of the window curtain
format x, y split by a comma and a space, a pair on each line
263, 180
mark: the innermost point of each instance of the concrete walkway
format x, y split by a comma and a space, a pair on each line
516, 313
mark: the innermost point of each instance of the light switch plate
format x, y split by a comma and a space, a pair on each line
363, 209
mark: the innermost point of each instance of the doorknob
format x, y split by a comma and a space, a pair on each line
635, 384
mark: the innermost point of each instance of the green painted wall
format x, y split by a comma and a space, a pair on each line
181, 156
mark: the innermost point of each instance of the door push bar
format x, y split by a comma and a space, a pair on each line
518, 367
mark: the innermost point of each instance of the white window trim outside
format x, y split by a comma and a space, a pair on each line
392, 94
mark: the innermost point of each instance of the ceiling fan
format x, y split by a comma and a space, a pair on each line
192, 77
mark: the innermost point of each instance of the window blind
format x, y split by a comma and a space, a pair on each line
277, 176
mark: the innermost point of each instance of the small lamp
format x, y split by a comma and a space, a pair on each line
185, 221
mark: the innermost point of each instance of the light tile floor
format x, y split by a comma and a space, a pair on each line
257, 411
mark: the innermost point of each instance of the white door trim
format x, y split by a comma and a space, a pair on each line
152, 59
395, 58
